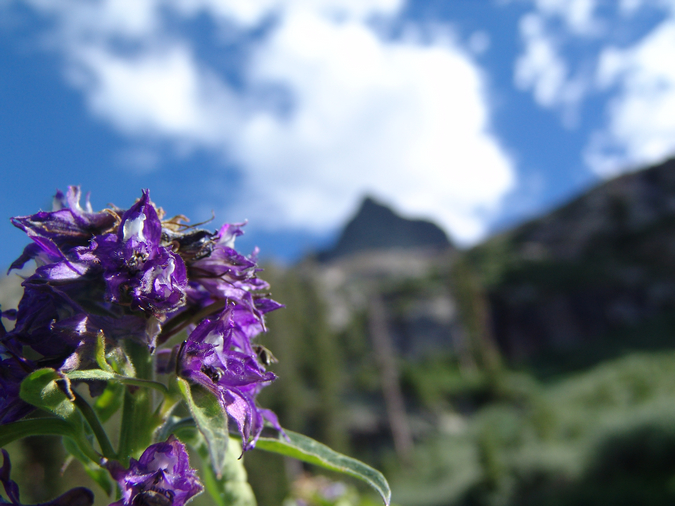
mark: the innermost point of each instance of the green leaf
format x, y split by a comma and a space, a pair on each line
107, 404
99, 374
95, 425
232, 487
35, 427
95, 472
310, 451
47, 427
47, 389
211, 421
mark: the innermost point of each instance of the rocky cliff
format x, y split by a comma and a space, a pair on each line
594, 275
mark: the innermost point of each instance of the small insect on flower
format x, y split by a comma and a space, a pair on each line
191, 246
264, 355
154, 498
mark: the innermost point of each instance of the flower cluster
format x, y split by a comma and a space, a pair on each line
133, 276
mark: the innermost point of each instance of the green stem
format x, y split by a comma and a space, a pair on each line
155, 385
97, 374
138, 422
95, 424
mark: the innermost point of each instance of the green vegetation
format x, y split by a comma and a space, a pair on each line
604, 436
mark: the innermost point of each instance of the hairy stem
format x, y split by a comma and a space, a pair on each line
95, 424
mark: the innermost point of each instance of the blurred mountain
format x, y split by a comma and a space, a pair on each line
596, 275
581, 282
376, 227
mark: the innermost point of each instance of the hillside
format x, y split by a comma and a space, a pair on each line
589, 275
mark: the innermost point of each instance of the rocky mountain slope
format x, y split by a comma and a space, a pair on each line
597, 273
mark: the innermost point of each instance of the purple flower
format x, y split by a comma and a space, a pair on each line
162, 476
219, 356
48, 321
127, 273
79, 496
60, 321
55, 233
226, 274
138, 269
13, 369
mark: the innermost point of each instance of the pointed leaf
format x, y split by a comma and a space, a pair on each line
310, 451
211, 421
47, 427
35, 427
48, 390
232, 488
95, 472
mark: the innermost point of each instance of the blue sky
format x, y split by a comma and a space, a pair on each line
474, 113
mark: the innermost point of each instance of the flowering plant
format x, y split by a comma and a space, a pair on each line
149, 314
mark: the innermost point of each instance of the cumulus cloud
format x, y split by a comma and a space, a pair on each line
406, 120
641, 116
635, 77
542, 68
577, 15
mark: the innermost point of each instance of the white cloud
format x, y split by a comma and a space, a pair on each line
404, 120
578, 15
638, 79
641, 116
157, 92
542, 69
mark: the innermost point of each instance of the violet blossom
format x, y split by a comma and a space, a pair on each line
55, 233
218, 355
13, 369
137, 267
162, 476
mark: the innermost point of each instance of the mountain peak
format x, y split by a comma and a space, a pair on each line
377, 227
